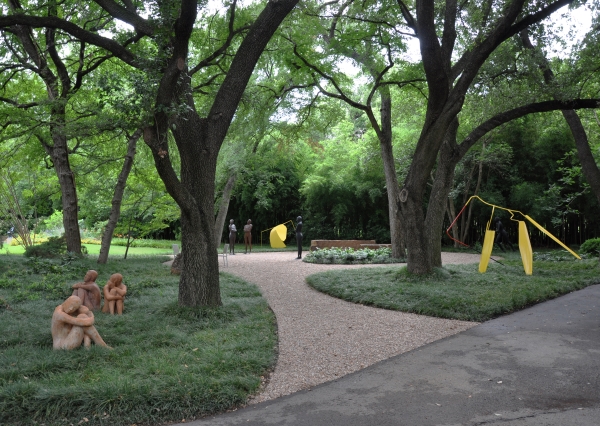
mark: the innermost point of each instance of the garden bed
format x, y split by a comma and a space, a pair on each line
350, 256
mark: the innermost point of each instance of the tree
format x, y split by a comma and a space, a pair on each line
62, 67
455, 41
586, 158
198, 137
367, 34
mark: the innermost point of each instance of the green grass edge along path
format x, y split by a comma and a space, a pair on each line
167, 363
459, 291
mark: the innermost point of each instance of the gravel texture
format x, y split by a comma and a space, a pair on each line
322, 338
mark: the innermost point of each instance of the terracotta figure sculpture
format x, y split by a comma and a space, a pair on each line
73, 325
299, 236
114, 295
232, 234
248, 235
88, 291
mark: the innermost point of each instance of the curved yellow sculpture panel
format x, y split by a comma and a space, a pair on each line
277, 236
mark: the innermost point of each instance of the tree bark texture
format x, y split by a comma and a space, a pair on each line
66, 179
117, 199
442, 183
391, 178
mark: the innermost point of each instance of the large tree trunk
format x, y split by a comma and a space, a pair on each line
391, 179
423, 237
117, 199
199, 140
199, 281
223, 207
444, 175
60, 157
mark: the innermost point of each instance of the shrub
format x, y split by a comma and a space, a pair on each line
54, 247
351, 256
591, 246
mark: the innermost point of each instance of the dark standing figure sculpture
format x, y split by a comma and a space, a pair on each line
248, 235
232, 234
299, 236
502, 235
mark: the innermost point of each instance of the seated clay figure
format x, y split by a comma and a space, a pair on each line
88, 291
73, 325
114, 295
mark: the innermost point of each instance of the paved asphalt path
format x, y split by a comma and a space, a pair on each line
539, 366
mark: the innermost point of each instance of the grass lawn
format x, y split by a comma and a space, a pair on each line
94, 250
167, 363
140, 249
460, 291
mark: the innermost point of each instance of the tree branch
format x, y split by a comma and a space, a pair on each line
522, 111
52, 22
127, 15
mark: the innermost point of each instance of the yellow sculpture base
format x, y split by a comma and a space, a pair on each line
525, 248
486, 251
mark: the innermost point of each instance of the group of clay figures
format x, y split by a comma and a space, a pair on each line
73, 320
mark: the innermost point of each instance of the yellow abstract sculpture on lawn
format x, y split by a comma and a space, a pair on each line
524, 243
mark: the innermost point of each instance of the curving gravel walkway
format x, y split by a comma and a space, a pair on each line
322, 338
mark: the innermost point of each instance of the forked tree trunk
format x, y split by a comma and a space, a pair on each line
444, 175
115, 211
199, 140
391, 179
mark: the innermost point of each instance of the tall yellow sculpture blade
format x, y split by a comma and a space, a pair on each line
525, 248
537, 225
277, 236
486, 251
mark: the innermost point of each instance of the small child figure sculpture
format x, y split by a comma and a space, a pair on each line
114, 295
73, 325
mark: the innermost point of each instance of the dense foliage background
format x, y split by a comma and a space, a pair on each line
293, 152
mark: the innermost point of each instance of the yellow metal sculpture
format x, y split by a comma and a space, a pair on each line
277, 235
524, 243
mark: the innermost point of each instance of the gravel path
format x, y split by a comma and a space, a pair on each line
322, 338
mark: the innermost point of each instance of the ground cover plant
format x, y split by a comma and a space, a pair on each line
350, 256
460, 291
167, 363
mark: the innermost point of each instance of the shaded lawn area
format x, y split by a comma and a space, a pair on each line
167, 363
94, 250
152, 249
459, 291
